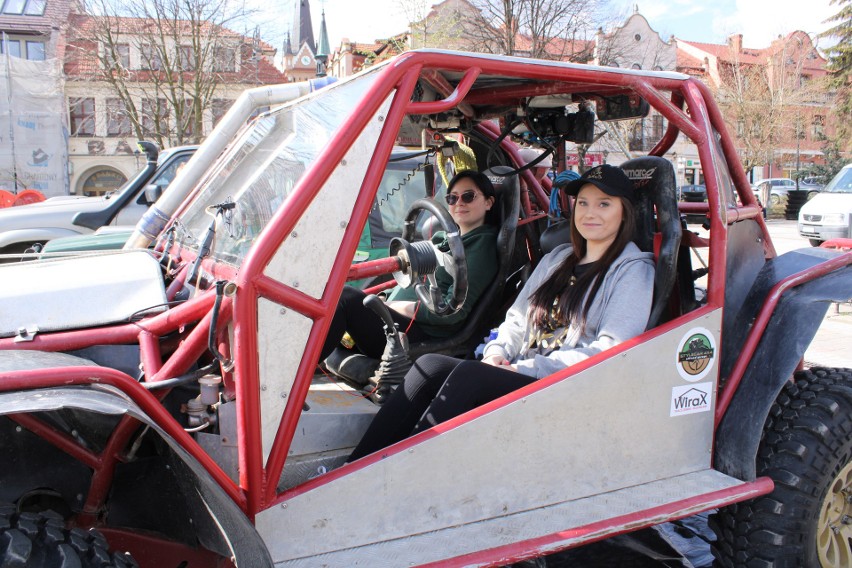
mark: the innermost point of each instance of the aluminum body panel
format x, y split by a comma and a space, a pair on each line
79, 292
317, 236
526, 525
610, 427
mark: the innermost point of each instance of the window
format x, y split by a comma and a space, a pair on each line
188, 119
225, 59
636, 66
23, 47
35, 50
25, 7
118, 122
121, 55
219, 108
818, 127
11, 46
81, 112
657, 126
741, 129
151, 58
155, 116
187, 59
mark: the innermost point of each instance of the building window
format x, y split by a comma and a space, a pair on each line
23, 48
151, 58
657, 126
35, 50
121, 55
225, 59
636, 66
219, 108
102, 182
188, 119
81, 111
25, 7
741, 129
155, 116
818, 127
118, 122
187, 61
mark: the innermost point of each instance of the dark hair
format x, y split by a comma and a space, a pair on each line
483, 183
558, 289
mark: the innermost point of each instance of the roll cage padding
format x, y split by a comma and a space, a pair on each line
508, 190
656, 191
794, 322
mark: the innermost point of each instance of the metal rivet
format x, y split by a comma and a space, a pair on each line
381, 118
283, 395
296, 284
294, 234
343, 224
18, 429
283, 505
263, 387
342, 162
283, 311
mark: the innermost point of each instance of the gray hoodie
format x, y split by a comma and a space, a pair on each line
619, 312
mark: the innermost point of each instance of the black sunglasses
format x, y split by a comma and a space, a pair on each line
466, 197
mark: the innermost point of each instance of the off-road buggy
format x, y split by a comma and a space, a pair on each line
170, 404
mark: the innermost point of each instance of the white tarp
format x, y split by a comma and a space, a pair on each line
33, 132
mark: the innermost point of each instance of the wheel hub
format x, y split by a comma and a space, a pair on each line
834, 536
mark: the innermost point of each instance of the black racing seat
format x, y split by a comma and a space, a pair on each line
656, 192
508, 192
656, 213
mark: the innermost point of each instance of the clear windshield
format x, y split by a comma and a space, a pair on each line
258, 172
841, 183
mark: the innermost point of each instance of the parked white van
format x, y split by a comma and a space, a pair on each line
829, 214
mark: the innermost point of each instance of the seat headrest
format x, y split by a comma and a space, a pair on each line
656, 187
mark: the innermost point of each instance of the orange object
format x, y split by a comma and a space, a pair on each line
7, 198
28, 196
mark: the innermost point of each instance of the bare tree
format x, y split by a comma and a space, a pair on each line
767, 103
542, 29
439, 26
164, 61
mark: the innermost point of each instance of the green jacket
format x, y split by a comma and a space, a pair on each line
480, 251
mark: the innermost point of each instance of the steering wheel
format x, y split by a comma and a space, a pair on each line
421, 259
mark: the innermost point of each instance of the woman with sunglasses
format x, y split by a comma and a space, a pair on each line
581, 299
471, 198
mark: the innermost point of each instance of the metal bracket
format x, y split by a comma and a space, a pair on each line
26, 333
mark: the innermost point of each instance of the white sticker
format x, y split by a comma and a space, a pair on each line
690, 399
696, 354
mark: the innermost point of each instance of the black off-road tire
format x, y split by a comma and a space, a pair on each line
807, 451
40, 540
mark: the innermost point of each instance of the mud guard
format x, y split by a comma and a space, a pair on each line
794, 324
230, 532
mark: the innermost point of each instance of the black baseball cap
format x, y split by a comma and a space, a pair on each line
610, 179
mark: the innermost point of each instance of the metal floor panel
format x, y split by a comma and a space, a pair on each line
458, 541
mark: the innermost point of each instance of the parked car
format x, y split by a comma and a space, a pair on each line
692, 192
37, 223
829, 214
778, 188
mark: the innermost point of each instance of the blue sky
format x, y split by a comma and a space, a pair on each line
699, 20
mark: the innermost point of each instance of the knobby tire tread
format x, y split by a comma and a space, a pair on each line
807, 440
29, 540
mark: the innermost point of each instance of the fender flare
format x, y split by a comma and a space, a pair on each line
237, 532
795, 320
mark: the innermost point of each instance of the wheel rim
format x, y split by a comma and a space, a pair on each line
834, 539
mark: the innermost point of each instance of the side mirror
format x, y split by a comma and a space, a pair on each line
153, 193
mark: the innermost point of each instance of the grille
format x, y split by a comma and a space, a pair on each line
812, 218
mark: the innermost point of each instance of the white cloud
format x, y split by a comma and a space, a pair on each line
761, 21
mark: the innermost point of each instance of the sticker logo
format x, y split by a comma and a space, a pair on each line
691, 399
695, 356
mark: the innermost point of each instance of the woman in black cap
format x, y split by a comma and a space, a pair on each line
582, 298
470, 199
